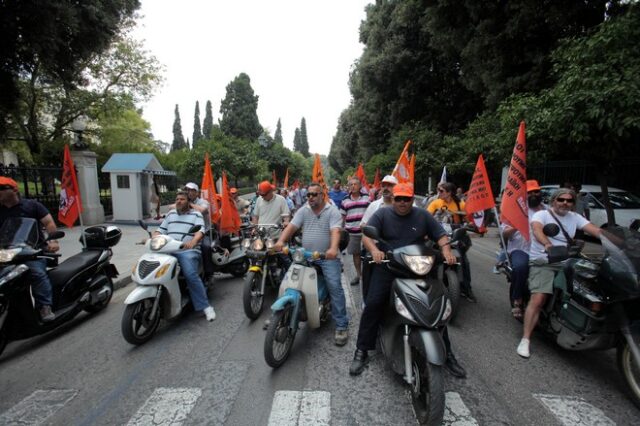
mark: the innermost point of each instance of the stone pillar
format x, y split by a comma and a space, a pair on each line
87, 173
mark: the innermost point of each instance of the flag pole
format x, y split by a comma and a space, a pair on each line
84, 237
504, 244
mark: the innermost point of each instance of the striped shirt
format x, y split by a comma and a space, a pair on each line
177, 225
353, 210
316, 235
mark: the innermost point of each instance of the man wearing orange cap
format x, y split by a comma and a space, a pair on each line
12, 205
241, 204
270, 207
518, 251
399, 226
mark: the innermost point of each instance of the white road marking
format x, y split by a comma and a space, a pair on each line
306, 408
456, 412
37, 407
574, 411
166, 406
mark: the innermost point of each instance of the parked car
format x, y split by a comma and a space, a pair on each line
626, 206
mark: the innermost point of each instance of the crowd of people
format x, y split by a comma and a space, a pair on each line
323, 215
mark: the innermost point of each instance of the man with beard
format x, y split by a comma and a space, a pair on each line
518, 250
541, 272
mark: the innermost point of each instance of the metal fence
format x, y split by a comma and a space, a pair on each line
42, 183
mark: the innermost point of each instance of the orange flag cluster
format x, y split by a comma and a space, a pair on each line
404, 169
208, 191
70, 203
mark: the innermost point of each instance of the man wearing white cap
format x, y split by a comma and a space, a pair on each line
201, 205
386, 187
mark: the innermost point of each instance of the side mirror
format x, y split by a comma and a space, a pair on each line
55, 235
371, 232
551, 230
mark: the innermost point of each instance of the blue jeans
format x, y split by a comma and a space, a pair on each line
332, 270
519, 274
189, 261
40, 284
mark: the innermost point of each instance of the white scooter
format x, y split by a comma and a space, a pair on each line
160, 292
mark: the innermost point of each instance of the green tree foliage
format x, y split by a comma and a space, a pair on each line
239, 110
297, 143
277, 137
46, 105
54, 40
197, 132
207, 124
304, 141
178, 137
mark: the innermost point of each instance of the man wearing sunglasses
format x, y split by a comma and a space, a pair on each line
12, 205
541, 272
322, 223
399, 226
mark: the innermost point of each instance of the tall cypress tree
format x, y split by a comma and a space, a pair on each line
296, 141
207, 124
197, 132
178, 138
304, 142
277, 137
239, 110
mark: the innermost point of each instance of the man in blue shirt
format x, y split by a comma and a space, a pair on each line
337, 194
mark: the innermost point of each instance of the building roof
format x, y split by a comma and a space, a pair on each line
134, 163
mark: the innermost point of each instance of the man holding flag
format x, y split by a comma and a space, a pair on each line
12, 205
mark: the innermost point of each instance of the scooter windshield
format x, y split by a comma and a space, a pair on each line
19, 232
622, 256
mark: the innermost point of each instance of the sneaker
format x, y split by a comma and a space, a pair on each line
46, 314
523, 348
355, 281
360, 360
209, 313
341, 337
453, 367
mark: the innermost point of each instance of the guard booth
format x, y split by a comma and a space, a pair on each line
132, 184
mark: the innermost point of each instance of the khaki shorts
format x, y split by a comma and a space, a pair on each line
541, 275
355, 246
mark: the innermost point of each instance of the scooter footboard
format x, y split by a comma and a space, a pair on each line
430, 344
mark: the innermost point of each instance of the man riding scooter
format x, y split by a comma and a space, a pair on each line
12, 205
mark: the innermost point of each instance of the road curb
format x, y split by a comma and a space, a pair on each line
119, 283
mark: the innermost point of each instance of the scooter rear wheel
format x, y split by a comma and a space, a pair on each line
252, 299
630, 371
137, 324
279, 338
452, 283
427, 392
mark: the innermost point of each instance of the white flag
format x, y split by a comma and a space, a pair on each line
443, 178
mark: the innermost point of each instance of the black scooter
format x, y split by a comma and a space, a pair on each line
82, 282
410, 334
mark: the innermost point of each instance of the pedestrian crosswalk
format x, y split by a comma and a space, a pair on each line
173, 407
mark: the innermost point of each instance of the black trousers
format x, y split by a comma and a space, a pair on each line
207, 261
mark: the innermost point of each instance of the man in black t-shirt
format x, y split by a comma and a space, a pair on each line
399, 226
12, 205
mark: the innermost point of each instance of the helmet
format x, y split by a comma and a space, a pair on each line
220, 257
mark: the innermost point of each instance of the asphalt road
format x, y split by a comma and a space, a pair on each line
194, 372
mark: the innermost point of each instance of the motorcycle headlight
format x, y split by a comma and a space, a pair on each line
16, 272
420, 265
298, 255
270, 243
7, 255
258, 244
158, 242
402, 309
246, 243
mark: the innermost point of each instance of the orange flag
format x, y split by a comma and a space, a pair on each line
514, 209
285, 184
362, 177
376, 180
402, 170
230, 219
479, 196
317, 175
208, 190
70, 203
296, 184
412, 168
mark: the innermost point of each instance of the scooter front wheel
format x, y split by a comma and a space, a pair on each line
252, 299
630, 371
138, 325
279, 338
452, 283
427, 391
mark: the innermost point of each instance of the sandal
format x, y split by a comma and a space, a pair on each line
516, 311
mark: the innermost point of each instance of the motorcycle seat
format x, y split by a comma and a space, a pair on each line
71, 266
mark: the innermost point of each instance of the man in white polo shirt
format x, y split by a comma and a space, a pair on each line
270, 208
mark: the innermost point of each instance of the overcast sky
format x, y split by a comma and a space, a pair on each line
298, 54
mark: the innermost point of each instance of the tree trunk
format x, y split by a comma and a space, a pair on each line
611, 218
